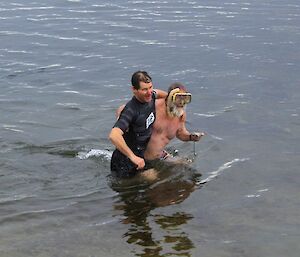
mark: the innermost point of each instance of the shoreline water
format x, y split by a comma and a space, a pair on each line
65, 67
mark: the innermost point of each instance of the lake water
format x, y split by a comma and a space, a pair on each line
65, 67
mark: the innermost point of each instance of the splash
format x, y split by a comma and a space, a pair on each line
106, 154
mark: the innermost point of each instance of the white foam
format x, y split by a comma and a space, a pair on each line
252, 196
12, 128
215, 113
71, 92
263, 190
104, 222
205, 115
216, 173
95, 153
258, 193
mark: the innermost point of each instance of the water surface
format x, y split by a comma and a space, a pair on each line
65, 67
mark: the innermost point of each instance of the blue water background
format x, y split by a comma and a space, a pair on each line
65, 67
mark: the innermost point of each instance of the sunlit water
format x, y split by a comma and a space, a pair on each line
65, 67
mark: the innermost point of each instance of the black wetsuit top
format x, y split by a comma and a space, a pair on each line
136, 121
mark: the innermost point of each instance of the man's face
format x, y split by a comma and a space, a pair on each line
144, 93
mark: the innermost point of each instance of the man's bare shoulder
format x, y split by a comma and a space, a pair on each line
160, 102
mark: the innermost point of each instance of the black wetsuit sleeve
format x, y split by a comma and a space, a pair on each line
125, 119
154, 94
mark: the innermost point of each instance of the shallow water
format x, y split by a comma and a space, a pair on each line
65, 67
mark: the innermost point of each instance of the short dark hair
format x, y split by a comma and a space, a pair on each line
140, 76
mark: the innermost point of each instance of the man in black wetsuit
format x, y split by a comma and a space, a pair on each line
132, 131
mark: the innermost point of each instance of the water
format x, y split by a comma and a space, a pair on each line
65, 67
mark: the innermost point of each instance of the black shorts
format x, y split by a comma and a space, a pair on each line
121, 166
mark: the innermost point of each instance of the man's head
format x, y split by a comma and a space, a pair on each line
177, 99
142, 86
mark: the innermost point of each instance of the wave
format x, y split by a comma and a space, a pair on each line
217, 172
106, 154
216, 113
15, 198
258, 193
71, 148
33, 214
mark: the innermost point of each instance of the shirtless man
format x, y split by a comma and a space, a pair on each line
170, 122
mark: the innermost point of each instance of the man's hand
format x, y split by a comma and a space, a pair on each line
138, 161
196, 136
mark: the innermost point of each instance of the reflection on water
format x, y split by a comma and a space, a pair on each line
138, 198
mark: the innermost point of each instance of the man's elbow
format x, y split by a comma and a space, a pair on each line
113, 135
110, 136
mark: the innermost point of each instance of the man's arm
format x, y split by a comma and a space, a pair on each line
184, 135
116, 137
119, 110
160, 93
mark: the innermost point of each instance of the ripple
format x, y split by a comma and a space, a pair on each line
43, 35
13, 128
215, 113
258, 193
33, 214
225, 166
15, 198
27, 8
